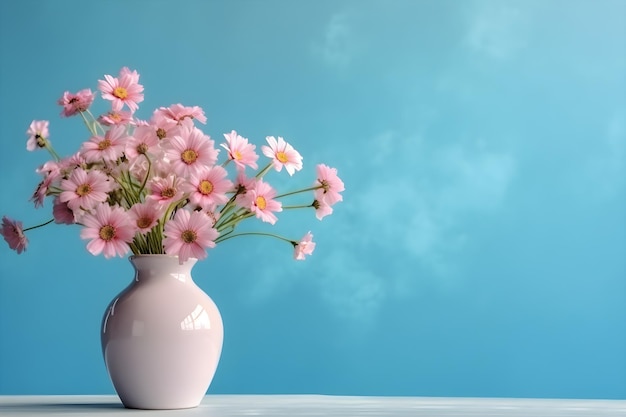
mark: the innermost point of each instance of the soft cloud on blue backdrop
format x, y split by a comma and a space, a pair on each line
481, 246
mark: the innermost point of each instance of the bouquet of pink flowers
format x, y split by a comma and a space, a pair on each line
156, 187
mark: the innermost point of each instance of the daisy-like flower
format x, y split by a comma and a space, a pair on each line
188, 235
208, 187
322, 209
240, 151
54, 171
243, 183
48, 168
331, 185
166, 190
282, 155
42, 190
37, 135
76, 103
13, 232
164, 127
304, 247
107, 148
66, 165
143, 141
123, 90
84, 190
146, 215
114, 118
259, 199
62, 213
191, 151
178, 112
110, 230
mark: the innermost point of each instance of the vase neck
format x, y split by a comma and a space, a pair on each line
149, 267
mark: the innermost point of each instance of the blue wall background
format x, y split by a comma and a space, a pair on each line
480, 249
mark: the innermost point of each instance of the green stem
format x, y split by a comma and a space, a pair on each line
233, 220
54, 154
145, 180
317, 187
297, 207
91, 129
167, 215
264, 170
39, 225
96, 123
254, 234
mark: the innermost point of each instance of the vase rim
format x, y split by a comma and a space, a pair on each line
163, 257
156, 255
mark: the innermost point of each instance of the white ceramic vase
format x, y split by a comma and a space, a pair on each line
161, 336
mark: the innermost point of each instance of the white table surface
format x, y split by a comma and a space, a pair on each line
318, 405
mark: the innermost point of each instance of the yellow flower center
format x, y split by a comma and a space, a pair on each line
104, 144
189, 156
120, 92
189, 236
282, 157
261, 203
107, 233
83, 189
205, 187
143, 222
168, 192
238, 155
115, 117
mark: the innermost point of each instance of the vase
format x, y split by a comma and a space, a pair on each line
161, 336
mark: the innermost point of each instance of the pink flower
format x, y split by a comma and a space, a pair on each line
282, 154
322, 209
143, 141
146, 215
330, 183
62, 213
178, 112
243, 183
122, 90
114, 118
76, 103
166, 190
42, 190
240, 151
54, 171
107, 148
66, 165
188, 235
304, 247
48, 168
109, 229
260, 200
37, 135
208, 187
84, 190
164, 127
13, 233
191, 151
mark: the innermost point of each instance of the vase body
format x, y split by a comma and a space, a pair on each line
161, 336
